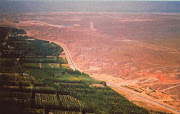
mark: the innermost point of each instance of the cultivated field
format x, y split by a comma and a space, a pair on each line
136, 51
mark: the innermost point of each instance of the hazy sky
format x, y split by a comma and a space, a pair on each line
89, 0
93, 6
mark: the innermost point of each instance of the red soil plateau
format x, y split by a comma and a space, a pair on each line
137, 51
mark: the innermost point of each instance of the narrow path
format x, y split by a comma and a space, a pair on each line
72, 63
170, 87
68, 56
163, 105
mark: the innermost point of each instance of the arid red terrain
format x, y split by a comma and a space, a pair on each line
136, 51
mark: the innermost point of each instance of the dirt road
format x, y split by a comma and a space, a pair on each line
150, 100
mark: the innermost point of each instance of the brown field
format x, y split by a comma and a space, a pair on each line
137, 51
